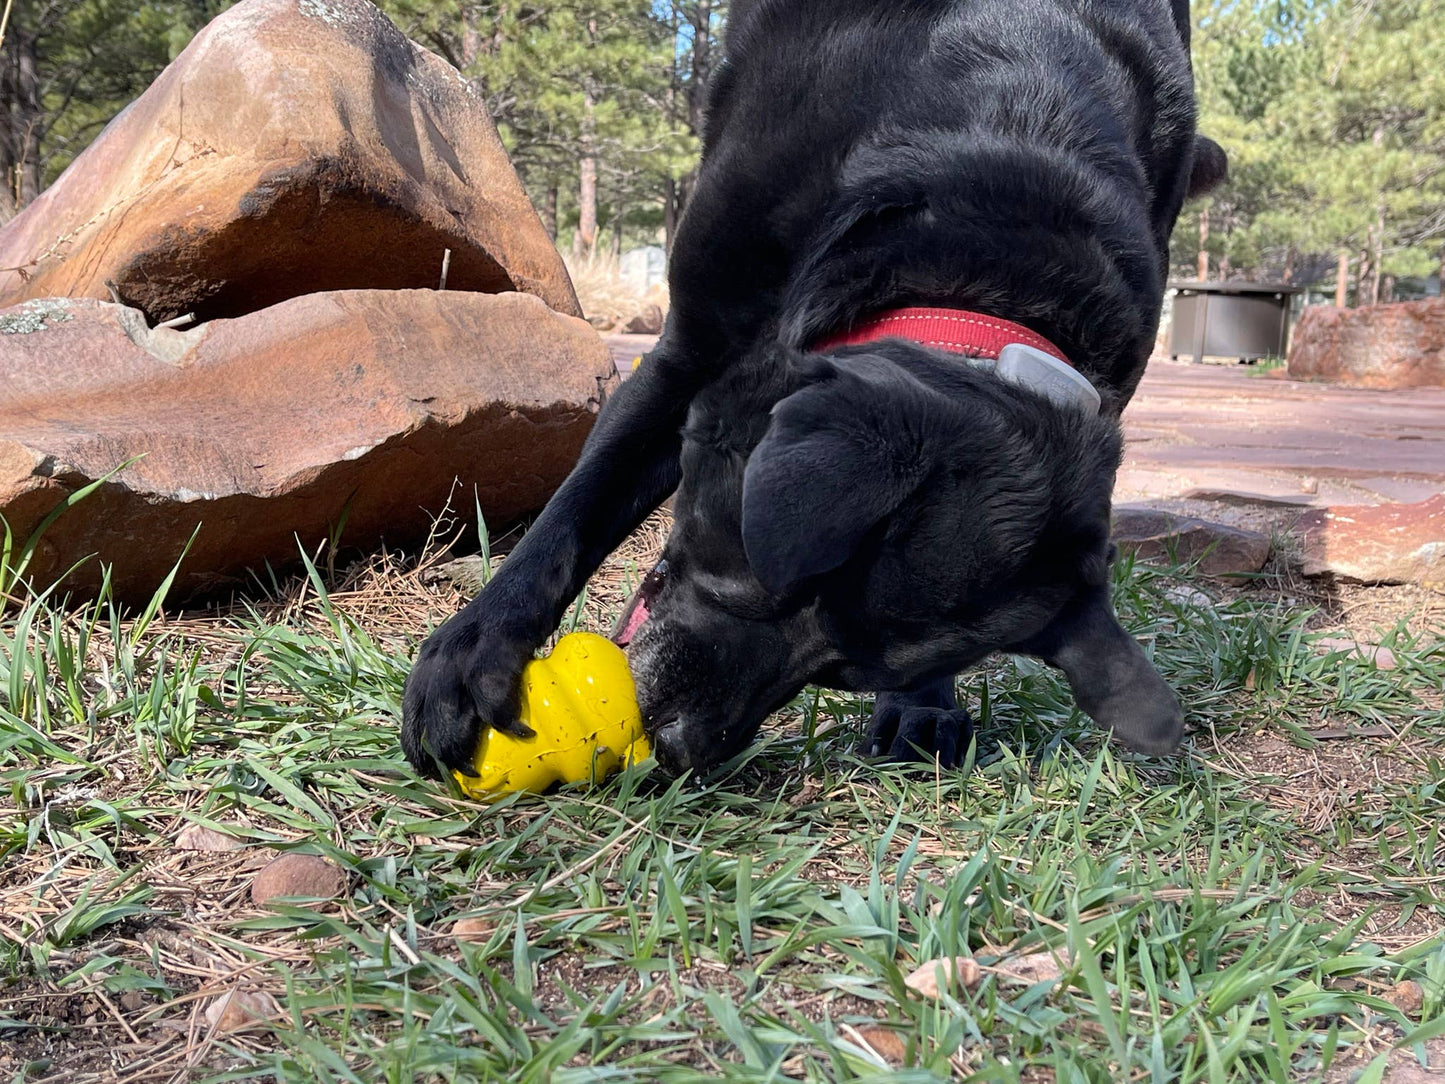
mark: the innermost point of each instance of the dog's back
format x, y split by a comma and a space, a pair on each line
1021, 157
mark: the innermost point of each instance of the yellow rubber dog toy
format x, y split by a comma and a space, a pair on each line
582, 705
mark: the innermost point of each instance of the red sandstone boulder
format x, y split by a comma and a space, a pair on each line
1379, 346
648, 321
1377, 543
367, 404
295, 146
1221, 550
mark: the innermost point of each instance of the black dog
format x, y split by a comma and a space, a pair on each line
876, 516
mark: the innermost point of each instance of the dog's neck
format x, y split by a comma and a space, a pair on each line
1014, 352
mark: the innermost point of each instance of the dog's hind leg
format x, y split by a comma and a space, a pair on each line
919, 724
465, 676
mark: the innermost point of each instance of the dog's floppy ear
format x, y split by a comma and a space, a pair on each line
838, 457
1211, 167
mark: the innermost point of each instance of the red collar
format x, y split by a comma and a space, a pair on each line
954, 330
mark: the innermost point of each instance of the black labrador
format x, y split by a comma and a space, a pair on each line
876, 509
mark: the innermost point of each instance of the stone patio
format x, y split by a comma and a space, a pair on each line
1223, 433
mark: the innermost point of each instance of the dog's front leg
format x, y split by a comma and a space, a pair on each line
920, 723
465, 676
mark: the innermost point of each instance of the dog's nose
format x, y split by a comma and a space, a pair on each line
669, 746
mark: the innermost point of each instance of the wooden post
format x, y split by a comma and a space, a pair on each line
1342, 279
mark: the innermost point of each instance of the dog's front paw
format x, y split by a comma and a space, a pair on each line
904, 731
465, 679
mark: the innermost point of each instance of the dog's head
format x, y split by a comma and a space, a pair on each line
866, 520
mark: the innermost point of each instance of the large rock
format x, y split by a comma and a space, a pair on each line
294, 147
1377, 543
1379, 346
1221, 550
362, 404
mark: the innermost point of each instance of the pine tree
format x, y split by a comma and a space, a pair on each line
1333, 114
67, 67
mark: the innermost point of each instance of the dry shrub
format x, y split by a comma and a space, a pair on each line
608, 300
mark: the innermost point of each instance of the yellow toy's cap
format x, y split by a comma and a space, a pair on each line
582, 705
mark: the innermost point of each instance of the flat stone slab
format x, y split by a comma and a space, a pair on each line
1389, 543
1220, 549
357, 411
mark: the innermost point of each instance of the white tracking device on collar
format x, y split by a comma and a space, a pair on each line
1041, 372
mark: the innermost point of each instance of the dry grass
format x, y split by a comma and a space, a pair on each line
608, 299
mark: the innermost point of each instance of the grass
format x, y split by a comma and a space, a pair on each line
1239, 913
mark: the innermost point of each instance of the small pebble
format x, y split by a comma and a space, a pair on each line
935, 976
299, 875
1187, 596
474, 929
1382, 657
197, 837
1031, 968
1407, 996
887, 1044
237, 1009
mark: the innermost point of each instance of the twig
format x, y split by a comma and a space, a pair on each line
124, 1023
178, 321
4, 22
401, 946
446, 262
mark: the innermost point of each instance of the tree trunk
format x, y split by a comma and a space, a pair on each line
7, 142
1289, 265
700, 64
702, 44
1387, 288
671, 215
1203, 241
1376, 239
1377, 254
21, 120
1342, 280
616, 236
549, 211
471, 39
30, 128
584, 241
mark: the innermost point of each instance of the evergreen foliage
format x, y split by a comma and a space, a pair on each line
1333, 115
1332, 112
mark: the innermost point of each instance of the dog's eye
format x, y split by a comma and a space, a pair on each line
653, 582
738, 600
